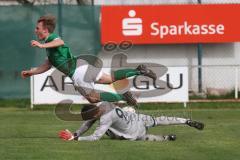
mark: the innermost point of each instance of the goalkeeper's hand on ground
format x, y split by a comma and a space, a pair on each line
66, 135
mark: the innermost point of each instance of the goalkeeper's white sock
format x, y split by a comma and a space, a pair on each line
150, 137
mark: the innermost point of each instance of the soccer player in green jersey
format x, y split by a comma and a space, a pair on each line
59, 56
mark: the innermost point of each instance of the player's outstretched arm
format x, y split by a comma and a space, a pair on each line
98, 133
84, 127
38, 70
105, 123
55, 43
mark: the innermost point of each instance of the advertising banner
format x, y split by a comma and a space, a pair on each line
164, 24
49, 88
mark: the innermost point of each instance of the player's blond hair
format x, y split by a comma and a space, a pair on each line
49, 22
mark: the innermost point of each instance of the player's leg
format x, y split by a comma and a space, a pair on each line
115, 97
150, 121
104, 78
195, 124
84, 82
112, 97
93, 97
150, 137
164, 120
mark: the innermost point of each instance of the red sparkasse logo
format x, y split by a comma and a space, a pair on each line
170, 24
132, 26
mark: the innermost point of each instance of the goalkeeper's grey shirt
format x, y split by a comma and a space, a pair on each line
119, 124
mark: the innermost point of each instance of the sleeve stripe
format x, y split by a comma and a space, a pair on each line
56, 38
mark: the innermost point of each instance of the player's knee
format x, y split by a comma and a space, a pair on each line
93, 97
92, 100
105, 79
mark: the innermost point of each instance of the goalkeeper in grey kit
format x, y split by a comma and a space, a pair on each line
123, 125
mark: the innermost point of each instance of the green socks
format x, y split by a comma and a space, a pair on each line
111, 97
118, 75
125, 73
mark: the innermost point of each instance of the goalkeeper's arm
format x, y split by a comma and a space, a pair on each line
104, 125
84, 127
99, 132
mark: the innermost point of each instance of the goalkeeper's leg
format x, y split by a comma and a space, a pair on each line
150, 121
164, 120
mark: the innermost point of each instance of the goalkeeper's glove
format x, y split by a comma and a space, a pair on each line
66, 135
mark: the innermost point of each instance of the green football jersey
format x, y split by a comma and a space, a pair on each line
61, 57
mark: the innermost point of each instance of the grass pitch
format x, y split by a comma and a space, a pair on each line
32, 134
